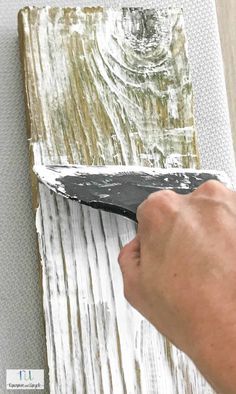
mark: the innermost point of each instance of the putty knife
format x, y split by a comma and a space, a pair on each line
120, 189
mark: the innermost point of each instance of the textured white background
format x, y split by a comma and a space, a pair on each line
22, 341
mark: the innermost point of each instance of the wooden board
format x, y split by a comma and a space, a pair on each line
114, 87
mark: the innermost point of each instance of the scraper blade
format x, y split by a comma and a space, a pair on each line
121, 189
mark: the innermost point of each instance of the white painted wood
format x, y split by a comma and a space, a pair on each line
96, 342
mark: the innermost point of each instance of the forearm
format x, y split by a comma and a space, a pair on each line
216, 358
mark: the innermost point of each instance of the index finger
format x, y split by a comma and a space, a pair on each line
158, 207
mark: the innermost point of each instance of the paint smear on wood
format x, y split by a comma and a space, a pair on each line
104, 86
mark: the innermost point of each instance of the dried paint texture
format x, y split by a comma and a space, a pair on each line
104, 87
109, 86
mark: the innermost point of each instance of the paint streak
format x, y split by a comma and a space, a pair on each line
104, 87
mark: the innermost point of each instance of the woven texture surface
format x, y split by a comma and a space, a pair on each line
22, 339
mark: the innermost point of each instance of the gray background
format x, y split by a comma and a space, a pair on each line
22, 338
226, 11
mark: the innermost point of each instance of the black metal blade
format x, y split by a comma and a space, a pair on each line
120, 189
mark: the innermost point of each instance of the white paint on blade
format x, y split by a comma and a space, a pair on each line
51, 179
57, 171
51, 175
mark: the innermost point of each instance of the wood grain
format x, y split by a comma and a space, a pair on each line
226, 18
113, 87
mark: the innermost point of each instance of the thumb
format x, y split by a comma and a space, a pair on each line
129, 257
129, 260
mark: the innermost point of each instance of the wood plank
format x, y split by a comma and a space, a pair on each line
104, 87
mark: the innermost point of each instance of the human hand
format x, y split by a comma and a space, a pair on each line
180, 273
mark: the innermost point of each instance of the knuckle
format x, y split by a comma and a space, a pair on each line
161, 195
211, 187
140, 210
166, 200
